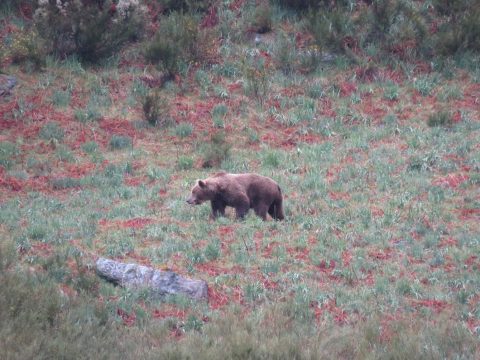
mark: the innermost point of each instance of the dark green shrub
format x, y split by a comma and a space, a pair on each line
442, 118
262, 20
216, 151
399, 26
184, 5
61, 98
90, 29
175, 41
156, 109
302, 5
179, 41
285, 54
65, 183
120, 142
90, 147
330, 28
17, 7
461, 31
183, 130
257, 74
89, 113
63, 153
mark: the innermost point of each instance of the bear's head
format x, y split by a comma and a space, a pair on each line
202, 191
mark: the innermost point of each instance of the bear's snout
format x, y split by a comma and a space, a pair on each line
192, 201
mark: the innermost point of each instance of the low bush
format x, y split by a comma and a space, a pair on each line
65, 183
87, 114
442, 118
51, 131
461, 30
156, 109
90, 29
180, 41
184, 163
262, 19
174, 42
183, 130
120, 142
26, 47
216, 150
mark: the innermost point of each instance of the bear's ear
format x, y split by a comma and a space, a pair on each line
202, 184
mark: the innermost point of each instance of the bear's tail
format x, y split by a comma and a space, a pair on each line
276, 209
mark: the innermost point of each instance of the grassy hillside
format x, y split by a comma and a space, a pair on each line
376, 148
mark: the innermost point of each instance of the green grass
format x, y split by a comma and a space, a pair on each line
375, 258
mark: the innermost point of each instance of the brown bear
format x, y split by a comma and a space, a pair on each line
240, 191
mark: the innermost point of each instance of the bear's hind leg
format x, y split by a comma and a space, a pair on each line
261, 211
276, 210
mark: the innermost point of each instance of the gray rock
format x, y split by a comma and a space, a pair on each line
7, 83
160, 282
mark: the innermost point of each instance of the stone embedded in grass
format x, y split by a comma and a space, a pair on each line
120, 142
161, 283
7, 83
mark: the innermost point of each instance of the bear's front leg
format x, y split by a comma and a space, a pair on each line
218, 208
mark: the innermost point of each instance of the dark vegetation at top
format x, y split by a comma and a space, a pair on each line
95, 30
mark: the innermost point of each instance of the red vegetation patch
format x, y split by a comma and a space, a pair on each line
471, 98
210, 19
211, 269
339, 195
346, 258
448, 242
134, 180
78, 171
225, 230
136, 223
384, 254
370, 107
169, 311
326, 108
9, 182
470, 214
451, 180
347, 88
119, 127
42, 249
128, 319
299, 253
339, 315
376, 211
472, 262
326, 269
267, 252
216, 298
435, 305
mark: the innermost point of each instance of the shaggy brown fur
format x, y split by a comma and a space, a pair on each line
240, 191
